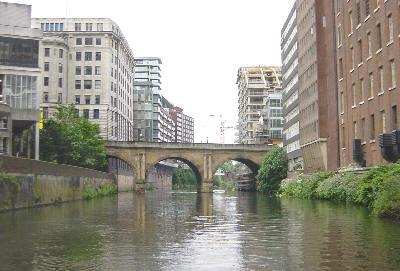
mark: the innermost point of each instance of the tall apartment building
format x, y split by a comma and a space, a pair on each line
255, 85
290, 95
367, 58
19, 86
88, 62
317, 85
187, 129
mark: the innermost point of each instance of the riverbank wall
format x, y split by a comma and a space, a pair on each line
40, 183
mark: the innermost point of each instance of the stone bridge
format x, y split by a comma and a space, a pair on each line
203, 159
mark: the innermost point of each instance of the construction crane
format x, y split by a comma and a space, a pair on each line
222, 128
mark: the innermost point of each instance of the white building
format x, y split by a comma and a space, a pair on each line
88, 62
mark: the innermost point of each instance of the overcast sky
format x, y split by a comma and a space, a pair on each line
201, 43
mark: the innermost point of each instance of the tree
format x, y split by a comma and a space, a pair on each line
273, 171
69, 139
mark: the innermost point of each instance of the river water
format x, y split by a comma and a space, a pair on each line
190, 231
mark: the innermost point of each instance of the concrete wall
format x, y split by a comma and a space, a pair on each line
43, 183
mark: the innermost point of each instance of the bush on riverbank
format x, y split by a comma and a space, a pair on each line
273, 170
100, 191
378, 189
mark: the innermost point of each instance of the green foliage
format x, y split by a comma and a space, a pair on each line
229, 167
183, 179
297, 166
69, 139
273, 171
218, 181
100, 191
230, 186
378, 189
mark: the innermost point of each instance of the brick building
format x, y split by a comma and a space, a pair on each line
367, 56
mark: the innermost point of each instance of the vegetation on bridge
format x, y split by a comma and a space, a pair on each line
378, 189
69, 139
273, 170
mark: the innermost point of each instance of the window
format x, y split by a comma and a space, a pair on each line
366, 8
381, 79
340, 68
86, 113
60, 82
362, 90
45, 97
97, 99
77, 99
97, 84
77, 84
89, 26
47, 27
354, 95
355, 129
60, 67
98, 56
88, 70
341, 102
371, 85
363, 138
339, 33
78, 26
51, 26
59, 98
78, 70
88, 56
360, 51
45, 112
78, 41
378, 3
61, 26
393, 73
99, 26
372, 127
390, 26
369, 44
45, 81
98, 41
42, 26
46, 52
96, 113
351, 21
78, 56
383, 117
88, 84
88, 41
358, 13
352, 58
87, 99
60, 53
98, 70
379, 37
46, 66
394, 117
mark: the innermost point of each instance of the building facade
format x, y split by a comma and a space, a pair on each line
290, 94
367, 58
255, 85
88, 62
317, 90
19, 81
187, 129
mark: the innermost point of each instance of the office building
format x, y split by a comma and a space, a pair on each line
88, 62
256, 84
290, 94
19, 87
367, 67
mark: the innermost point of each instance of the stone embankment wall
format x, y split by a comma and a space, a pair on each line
42, 183
160, 177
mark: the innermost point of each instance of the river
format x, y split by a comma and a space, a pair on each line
190, 231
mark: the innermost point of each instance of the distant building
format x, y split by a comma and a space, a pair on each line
88, 62
256, 84
367, 60
290, 96
19, 87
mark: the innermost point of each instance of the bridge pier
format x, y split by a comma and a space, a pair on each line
206, 186
141, 186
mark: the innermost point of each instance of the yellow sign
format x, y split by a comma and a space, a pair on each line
41, 120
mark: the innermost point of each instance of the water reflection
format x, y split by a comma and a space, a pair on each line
190, 231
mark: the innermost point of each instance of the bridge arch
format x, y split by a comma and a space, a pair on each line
191, 165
